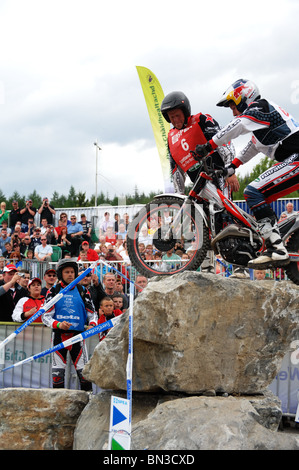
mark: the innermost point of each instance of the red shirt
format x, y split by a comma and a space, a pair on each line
91, 255
182, 141
103, 319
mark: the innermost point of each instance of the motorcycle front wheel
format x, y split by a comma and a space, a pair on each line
166, 237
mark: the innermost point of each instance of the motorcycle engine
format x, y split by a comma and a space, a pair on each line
236, 250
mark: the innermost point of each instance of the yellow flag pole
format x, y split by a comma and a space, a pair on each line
154, 95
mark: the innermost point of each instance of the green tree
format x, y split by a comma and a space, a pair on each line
81, 200
35, 198
71, 200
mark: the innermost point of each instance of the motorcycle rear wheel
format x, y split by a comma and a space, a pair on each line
292, 269
191, 233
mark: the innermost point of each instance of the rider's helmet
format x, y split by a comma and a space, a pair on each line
242, 93
65, 263
176, 100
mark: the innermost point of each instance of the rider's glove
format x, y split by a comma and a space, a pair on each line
229, 170
203, 150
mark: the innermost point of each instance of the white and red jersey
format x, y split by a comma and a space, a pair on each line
273, 132
24, 305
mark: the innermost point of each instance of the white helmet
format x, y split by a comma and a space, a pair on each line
242, 93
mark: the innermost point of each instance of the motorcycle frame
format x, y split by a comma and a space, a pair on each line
209, 192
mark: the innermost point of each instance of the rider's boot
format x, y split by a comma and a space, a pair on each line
276, 254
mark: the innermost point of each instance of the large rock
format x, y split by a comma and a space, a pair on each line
195, 332
39, 419
207, 423
172, 422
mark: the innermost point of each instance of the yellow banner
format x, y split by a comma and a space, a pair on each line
154, 95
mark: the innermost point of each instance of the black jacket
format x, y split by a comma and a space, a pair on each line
8, 302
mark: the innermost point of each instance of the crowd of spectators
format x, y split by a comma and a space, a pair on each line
22, 239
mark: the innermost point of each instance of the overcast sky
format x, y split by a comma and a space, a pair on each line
68, 78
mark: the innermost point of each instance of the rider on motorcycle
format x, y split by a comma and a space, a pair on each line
188, 131
275, 133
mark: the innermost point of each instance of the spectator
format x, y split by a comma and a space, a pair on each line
107, 311
289, 210
28, 212
65, 241
24, 278
144, 236
126, 220
18, 232
124, 254
5, 225
158, 264
110, 236
75, 230
7, 250
47, 211
31, 227
2, 263
116, 221
4, 239
87, 227
28, 306
10, 292
63, 222
122, 232
35, 239
86, 280
112, 254
26, 244
171, 259
109, 280
119, 290
140, 283
261, 275
15, 240
106, 223
91, 254
94, 286
119, 246
118, 302
15, 215
50, 278
15, 255
44, 251
51, 235
83, 259
30, 254
43, 225
4, 214
96, 291
67, 322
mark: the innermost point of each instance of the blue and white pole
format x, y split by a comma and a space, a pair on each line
75, 339
48, 305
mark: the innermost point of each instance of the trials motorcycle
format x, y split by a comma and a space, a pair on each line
204, 220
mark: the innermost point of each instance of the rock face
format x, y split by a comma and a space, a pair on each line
39, 419
172, 422
195, 332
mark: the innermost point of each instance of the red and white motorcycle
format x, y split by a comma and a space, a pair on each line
204, 220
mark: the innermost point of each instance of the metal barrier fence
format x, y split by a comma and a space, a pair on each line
37, 374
